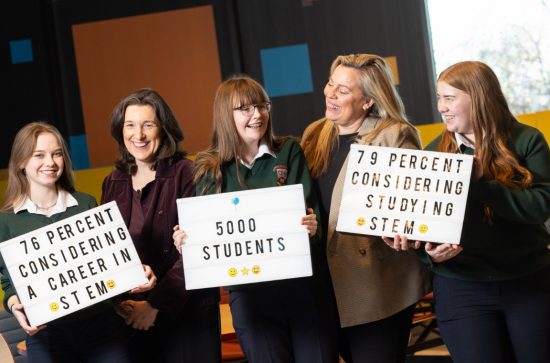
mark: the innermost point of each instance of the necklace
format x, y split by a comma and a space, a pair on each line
45, 209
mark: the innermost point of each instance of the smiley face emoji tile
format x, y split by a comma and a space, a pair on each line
232, 272
360, 221
110, 284
423, 228
54, 306
256, 269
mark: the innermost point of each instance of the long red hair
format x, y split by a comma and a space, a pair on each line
492, 122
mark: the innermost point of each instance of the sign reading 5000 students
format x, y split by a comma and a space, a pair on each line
244, 237
74, 263
419, 194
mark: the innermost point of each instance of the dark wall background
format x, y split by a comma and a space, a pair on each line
334, 27
31, 89
47, 88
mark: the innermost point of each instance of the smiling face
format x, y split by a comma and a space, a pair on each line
251, 127
46, 163
345, 103
455, 108
141, 133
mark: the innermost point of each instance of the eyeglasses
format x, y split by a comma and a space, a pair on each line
248, 110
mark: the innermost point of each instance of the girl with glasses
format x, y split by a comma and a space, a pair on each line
280, 321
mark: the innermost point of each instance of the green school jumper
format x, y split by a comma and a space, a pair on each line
515, 243
288, 167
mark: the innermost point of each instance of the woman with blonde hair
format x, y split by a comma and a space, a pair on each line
41, 191
278, 321
492, 292
375, 288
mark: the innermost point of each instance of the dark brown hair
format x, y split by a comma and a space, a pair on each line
171, 132
226, 143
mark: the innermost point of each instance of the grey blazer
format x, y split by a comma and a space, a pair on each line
372, 281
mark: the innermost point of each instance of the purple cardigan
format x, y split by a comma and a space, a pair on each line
157, 250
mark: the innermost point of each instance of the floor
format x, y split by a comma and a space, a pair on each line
437, 354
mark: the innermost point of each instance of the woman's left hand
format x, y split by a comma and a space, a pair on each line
442, 252
310, 221
151, 281
141, 315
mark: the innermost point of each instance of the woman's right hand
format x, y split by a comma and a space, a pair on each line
310, 222
19, 313
401, 243
151, 280
178, 237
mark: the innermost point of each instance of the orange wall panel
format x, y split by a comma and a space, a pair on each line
174, 52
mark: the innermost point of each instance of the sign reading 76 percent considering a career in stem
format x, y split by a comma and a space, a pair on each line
72, 264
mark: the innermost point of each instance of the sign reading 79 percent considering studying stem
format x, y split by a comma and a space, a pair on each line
419, 194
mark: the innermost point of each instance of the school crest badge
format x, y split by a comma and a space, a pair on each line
281, 173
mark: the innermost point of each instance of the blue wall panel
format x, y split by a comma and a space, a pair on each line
21, 51
79, 152
286, 70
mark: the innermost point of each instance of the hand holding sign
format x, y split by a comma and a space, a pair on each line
151, 281
310, 222
179, 237
401, 243
18, 311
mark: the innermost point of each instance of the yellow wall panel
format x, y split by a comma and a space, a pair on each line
392, 62
90, 180
428, 132
543, 123
528, 119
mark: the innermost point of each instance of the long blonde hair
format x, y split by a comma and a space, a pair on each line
376, 83
226, 144
492, 122
21, 151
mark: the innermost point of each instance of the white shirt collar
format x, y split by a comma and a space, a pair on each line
262, 150
461, 140
64, 201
